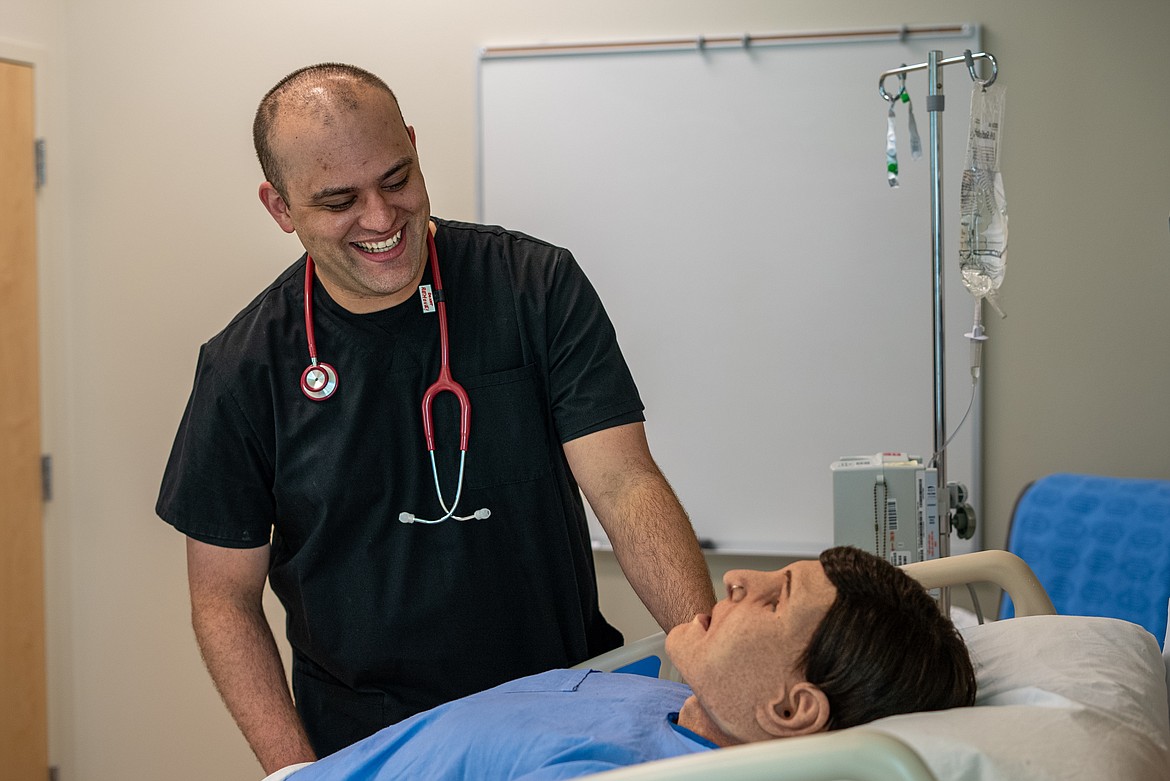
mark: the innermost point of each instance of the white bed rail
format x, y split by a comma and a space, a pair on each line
652, 645
1006, 570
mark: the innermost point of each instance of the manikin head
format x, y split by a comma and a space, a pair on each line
818, 645
342, 172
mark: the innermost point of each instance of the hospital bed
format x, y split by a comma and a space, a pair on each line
1059, 697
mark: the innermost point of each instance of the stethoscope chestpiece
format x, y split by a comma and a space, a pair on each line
319, 381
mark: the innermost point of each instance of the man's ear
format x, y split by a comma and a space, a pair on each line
803, 710
276, 206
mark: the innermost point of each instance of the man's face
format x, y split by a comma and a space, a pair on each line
355, 196
745, 653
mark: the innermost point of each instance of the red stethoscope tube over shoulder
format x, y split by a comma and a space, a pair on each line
445, 382
319, 382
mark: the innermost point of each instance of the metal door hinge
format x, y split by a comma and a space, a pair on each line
39, 153
46, 477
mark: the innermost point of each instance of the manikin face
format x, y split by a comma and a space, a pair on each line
356, 196
741, 660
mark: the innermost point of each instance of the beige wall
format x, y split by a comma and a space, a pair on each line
152, 237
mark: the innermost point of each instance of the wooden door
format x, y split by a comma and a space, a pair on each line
23, 721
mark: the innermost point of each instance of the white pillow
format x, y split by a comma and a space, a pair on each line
1060, 697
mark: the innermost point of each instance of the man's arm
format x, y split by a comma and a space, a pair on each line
650, 532
227, 611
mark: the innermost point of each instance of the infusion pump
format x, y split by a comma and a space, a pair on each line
887, 504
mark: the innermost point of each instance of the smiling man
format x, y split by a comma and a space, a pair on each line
411, 575
818, 645
352, 192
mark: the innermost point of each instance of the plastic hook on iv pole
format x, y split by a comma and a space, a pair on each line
967, 58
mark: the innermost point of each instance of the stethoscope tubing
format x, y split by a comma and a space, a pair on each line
445, 382
318, 380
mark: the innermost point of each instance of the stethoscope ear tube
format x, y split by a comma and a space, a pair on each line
445, 382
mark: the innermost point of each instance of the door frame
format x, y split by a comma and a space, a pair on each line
37, 58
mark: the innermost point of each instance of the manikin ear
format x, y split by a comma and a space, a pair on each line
276, 206
804, 710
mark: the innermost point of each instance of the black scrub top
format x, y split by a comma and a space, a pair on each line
386, 619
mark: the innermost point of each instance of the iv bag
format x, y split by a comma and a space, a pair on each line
983, 220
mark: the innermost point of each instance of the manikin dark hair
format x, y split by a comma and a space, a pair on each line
884, 647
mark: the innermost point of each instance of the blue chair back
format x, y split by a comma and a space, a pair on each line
1099, 545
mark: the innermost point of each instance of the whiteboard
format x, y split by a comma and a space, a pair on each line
771, 292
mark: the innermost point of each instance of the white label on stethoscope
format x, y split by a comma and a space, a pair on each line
428, 298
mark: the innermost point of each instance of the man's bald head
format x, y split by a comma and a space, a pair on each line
321, 92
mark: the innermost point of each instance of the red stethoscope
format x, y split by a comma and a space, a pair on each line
319, 382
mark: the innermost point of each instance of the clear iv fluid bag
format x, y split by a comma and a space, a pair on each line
983, 219
983, 232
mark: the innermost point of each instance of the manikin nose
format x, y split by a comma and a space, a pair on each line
740, 583
737, 583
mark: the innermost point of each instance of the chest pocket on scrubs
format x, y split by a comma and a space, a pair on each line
509, 430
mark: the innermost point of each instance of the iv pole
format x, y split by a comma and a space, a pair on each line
935, 103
